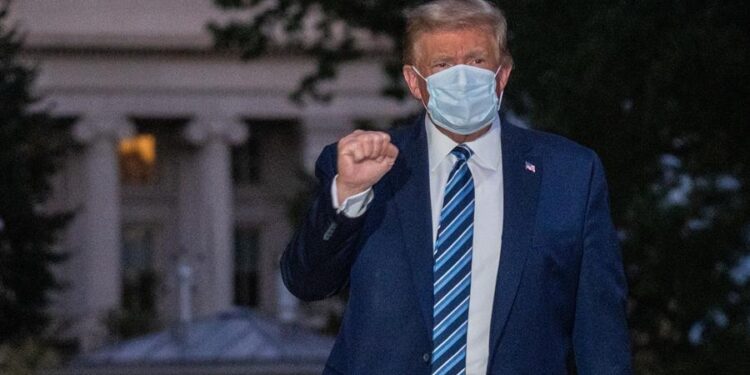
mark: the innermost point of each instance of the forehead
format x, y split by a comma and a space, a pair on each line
457, 43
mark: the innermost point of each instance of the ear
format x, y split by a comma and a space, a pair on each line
502, 78
413, 81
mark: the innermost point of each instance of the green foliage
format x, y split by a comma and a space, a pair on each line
334, 24
27, 358
31, 148
661, 91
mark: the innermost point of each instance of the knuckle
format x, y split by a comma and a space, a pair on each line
344, 144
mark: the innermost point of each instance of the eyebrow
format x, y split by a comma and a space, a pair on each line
473, 53
476, 53
441, 59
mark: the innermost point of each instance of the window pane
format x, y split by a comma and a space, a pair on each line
270, 139
138, 159
246, 267
246, 161
138, 277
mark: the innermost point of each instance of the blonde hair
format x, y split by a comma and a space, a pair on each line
452, 15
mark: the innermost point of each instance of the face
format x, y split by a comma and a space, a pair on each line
439, 50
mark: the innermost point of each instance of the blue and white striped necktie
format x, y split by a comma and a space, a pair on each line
452, 269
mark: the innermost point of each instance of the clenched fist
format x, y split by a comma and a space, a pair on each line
363, 158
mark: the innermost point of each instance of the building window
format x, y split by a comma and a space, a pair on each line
270, 143
138, 276
138, 159
148, 158
246, 161
246, 277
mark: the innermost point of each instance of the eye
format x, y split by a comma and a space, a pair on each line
478, 61
440, 66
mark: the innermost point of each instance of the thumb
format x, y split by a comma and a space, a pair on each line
391, 151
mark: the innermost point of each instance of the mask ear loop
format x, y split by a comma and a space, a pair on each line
417, 71
499, 97
425, 80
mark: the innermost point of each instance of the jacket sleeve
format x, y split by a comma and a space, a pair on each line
317, 261
600, 335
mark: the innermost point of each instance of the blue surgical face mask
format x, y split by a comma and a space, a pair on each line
462, 98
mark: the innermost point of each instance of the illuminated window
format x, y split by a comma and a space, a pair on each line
138, 159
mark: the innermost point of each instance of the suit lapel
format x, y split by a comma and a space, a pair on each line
521, 177
411, 188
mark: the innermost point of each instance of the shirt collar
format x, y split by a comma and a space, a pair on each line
487, 152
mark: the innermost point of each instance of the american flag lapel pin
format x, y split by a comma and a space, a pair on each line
530, 167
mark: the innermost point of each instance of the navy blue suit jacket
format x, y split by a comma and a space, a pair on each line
560, 294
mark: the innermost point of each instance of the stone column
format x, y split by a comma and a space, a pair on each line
98, 218
213, 207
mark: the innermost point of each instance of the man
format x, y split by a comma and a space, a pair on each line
469, 245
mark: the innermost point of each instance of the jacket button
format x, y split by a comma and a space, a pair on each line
426, 357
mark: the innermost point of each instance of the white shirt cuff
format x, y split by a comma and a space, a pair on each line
354, 206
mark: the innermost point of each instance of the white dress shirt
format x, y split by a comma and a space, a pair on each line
486, 170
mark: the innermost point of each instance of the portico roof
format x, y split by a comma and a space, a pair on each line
240, 339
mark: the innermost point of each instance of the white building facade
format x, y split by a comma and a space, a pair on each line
183, 153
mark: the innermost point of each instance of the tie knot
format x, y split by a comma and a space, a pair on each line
462, 152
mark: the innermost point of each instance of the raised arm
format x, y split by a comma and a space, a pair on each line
317, 261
